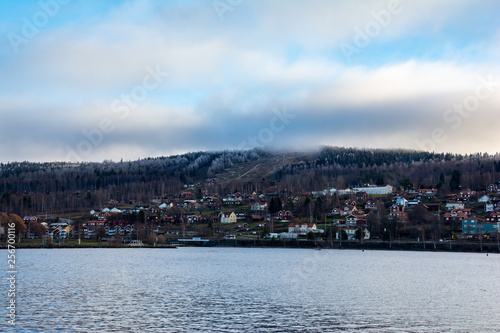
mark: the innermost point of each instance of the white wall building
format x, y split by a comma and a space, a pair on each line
375, 189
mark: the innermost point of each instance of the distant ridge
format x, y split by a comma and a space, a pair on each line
34, 187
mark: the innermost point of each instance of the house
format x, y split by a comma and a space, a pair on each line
492, 205
93, 224
232, 200
242, 225
401, 202
493, 188
348, 208
427, 192
413, 202
466, 211
454, 205
228, 217
351, 233
361, 196
451, 197
493, 218
258, 206
152, 219
187, 195
454, 216
301, 228
397, 208
399, 216
271, 190
211, 182
466, 195
371, 205
433, 207
484, 198
194, 218
283, 216
257, 217
191, 204
261, 224
211, 202
242, 216
60, 230
100, 216
336, 211
339, 222
475, 226
29, 219
354, 220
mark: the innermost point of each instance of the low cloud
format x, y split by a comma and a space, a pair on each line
226, 78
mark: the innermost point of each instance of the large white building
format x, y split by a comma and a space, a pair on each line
375, 189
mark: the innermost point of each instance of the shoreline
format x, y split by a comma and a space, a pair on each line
465, 247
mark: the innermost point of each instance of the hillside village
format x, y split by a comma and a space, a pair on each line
363, 213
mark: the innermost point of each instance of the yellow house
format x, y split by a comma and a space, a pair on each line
228, 217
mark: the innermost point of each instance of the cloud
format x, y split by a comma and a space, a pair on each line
225, 77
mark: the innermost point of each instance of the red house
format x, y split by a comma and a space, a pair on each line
466, 194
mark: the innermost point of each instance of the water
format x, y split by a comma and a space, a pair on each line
253, 290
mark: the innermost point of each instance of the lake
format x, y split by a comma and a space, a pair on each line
194, 289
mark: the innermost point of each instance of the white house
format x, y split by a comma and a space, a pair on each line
484, 198
301, 228
491, 205
351, 233
258, 206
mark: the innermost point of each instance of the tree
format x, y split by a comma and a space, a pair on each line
360, 234
151, 238
441, 181
274, 207
318, 207
7, 220
455, 180
161, 239
418, 215
331, 234
37, 229
406, 184
387, 235
371, 221
310, 235
100, 233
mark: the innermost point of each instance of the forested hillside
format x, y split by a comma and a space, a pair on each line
343, 167
34, 188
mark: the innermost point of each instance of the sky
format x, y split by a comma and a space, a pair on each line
110, 80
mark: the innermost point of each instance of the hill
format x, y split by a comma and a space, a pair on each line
35, 188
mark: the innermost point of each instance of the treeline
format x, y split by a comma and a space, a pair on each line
350, 167
30, 188
34, 188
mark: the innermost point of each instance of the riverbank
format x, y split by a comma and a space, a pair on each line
368, 245
447, 246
